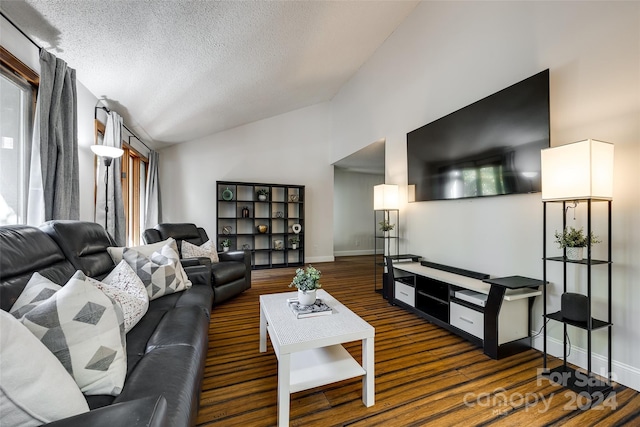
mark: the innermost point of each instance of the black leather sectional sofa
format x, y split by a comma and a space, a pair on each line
166, 350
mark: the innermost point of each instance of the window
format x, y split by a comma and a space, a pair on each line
18, 89
134, 184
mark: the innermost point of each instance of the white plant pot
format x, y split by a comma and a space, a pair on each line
574, 254
262, 197
294, 246
306, 297
225, 249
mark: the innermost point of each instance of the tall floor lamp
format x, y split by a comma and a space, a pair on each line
108, 153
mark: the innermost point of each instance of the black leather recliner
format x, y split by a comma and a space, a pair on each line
229, 277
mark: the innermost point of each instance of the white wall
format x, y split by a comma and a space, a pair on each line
292, 148
447, 55
353, 227
27, 52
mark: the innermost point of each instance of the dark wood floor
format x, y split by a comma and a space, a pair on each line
424, 374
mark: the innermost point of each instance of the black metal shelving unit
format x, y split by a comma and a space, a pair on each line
585, 383
240, 212
389, 242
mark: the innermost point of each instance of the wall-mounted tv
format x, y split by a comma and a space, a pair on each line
489, 148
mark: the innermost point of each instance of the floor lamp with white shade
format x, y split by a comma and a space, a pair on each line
107, 153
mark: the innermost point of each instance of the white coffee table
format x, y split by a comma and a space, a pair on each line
309, 350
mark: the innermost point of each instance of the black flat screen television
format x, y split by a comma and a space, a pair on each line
489, 148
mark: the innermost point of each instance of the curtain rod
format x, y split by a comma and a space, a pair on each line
20, 30
96, 108
95, 116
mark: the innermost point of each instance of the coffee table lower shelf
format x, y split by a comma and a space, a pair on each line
320, 366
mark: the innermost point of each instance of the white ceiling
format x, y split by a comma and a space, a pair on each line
180, 70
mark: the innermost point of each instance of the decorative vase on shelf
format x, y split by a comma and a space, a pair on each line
294, 246
262, 197
306, 297
574, 254
225, 249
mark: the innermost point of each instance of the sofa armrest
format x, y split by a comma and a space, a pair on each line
188, 262
199, 272
239, 256
145, 412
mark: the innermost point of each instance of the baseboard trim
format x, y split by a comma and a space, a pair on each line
353, 253
622, 373
309, 260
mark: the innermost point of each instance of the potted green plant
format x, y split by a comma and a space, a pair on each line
307, 281
226, 244
294, 242
574, 241
263, 193
386, 226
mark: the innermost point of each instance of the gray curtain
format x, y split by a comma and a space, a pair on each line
54, 190
152, 214
115, 221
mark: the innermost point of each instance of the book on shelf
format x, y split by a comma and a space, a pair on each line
319, 308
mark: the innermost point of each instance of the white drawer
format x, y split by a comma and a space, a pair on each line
467, 319
405, 293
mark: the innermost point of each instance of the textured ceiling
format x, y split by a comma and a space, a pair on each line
180, 70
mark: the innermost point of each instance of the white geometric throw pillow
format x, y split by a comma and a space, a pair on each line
159, 271
38, 289
34, 386
84, 329
206, 250
147, 250
126, 288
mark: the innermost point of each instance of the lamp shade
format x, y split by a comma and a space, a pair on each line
385, 196
107, 151
576, 171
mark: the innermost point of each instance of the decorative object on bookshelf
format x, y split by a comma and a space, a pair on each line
278, 245
245, 212
227, 194
293, 198
262, 194
246, 247
262, 228
318, 308
296, 228
226, 244
574, 241
294, 242
307, 281
227, 229
278, 214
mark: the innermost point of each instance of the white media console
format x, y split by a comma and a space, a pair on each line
494, 314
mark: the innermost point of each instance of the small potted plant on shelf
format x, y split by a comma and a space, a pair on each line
386, 226
307, 281
294, 242
263, 193
574, 241
226, 244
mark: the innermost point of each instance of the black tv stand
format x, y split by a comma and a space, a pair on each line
494, 314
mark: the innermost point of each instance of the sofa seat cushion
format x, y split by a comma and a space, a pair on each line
180, 326
225, 272
174, 372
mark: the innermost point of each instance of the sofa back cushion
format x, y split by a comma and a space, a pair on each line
84, 244
25, 250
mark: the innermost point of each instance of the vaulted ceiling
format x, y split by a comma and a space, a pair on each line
180, 70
